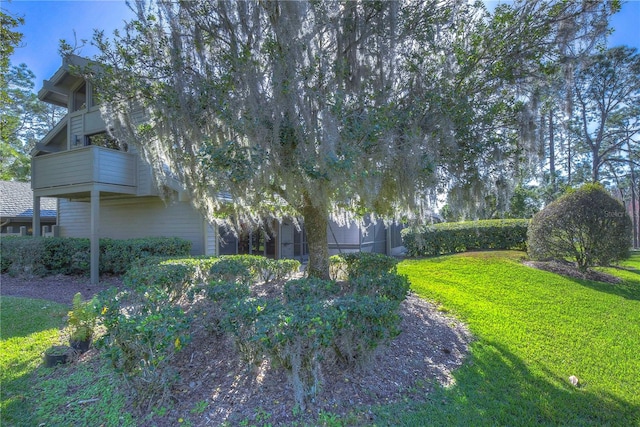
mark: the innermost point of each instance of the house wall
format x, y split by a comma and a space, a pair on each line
135, 218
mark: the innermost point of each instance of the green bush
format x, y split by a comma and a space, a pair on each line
315, 322
144, 333
587, 226
172, 279
310, 289
254, 267
116, 255
388, 285
22, 255
445, 238
356, 264
64, 255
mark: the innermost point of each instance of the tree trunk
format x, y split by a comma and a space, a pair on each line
552, 154
316, 219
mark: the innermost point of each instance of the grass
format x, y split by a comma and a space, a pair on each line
29, 327
535, 329
81, 394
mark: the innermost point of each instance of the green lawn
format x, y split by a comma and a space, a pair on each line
28, 327
534, 330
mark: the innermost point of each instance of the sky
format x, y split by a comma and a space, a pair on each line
47, 22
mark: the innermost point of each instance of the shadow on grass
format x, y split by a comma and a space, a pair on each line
495, 387
22, 317
626, 289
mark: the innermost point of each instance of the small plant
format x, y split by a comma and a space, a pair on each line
82, 319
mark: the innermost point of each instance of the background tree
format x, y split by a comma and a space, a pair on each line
318, 109
606, 94
24, 119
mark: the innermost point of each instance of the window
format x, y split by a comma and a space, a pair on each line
80, 98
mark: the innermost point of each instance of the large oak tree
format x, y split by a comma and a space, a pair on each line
314, 109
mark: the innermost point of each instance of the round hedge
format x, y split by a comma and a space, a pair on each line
587, 226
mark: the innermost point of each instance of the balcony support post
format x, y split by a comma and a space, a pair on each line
35, 221
95, 236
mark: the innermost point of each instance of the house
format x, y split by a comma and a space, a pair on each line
16, 209
105, 189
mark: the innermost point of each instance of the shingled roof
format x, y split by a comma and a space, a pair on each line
16, 201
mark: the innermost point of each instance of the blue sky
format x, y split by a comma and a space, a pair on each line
47, 22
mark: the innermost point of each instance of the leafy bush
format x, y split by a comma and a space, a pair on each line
388, 285
255, 267
356, 264
587, 226
316, 322
231, 269
64, 255
445, 238
172, 279
144, 332
116, 255
22, 255
310, 289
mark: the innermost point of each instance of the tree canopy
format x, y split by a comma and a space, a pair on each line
24, 119
320, 109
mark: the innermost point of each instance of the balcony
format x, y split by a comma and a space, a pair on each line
78, 171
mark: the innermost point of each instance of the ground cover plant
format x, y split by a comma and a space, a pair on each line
535, 330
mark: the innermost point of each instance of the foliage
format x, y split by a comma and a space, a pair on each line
144, 332
586, 225
315, 322
22, 255
308, 109
445, 238
24, 120
171, 279
82, 318
64, 255
607, 96
253, 267
356, 264
116, 255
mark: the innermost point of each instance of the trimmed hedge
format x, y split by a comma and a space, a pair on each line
446, 238
65, 255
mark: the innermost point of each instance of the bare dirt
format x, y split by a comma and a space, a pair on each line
216, 387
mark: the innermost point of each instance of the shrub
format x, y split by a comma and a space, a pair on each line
116, 256
356, 264
231, 269
445, 238
388, 285
587, 226
22, 255
317, 322
310, 289
172, 279
255, 267
64, 255
144, 332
